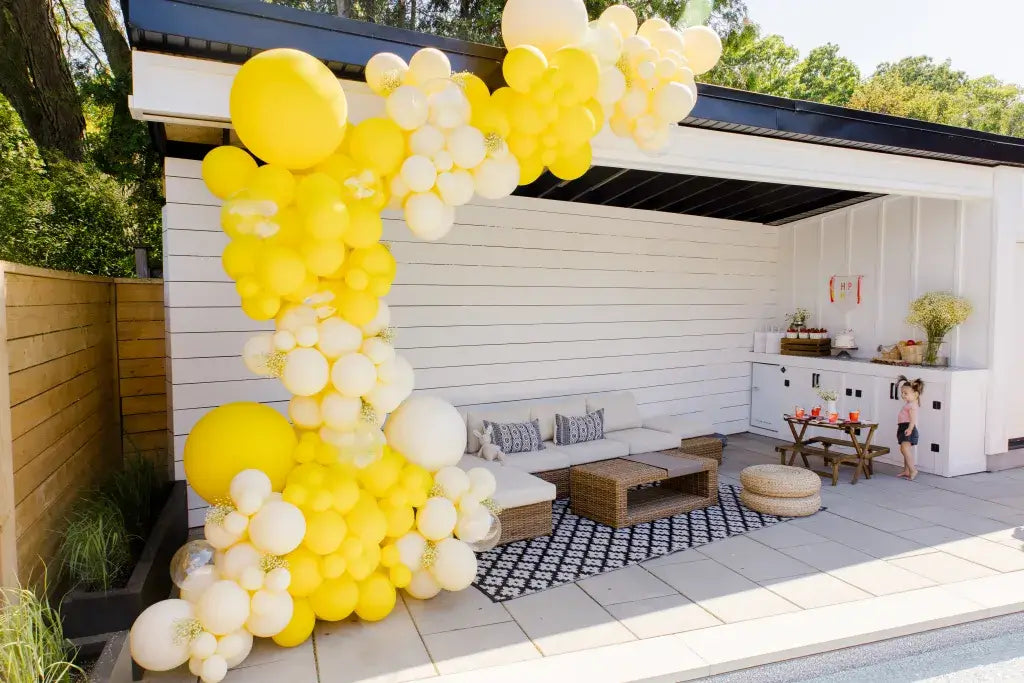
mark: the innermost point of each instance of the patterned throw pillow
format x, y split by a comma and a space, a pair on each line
570, 429
516, 437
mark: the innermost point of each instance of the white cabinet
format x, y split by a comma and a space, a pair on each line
766, 392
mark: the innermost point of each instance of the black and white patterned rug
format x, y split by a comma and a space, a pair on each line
579, 547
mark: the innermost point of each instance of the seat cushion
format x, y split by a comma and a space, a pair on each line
515, 487
537, 461
591, 451
544, 413
620, 411
475, 421
642, 440
681, 426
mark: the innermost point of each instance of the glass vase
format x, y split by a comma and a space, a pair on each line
936, 353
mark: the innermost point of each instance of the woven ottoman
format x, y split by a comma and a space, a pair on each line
781, 490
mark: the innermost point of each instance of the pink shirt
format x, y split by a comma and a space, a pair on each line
908, 413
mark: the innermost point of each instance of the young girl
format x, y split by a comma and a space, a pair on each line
906, 429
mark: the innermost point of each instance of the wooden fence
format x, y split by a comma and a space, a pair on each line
76, 358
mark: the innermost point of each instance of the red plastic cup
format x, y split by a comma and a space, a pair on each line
799, 413
816, 411
854, 416
833, 417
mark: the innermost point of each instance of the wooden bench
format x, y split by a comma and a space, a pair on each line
823, 447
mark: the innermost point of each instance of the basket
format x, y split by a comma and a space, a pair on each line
912, 354
890, 352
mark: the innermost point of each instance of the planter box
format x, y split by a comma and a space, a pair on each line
113, 658
94, 612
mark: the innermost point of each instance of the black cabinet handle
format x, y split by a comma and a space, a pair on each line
892, 390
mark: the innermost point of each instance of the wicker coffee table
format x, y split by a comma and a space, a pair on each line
607, 492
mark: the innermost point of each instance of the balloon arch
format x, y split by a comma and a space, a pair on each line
331, 513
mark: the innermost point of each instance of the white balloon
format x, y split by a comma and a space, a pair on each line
353, 375
399, 191
473, 524
634, 46
197, 582
545, 24
307, 336
296, 317
252, 578
223, 608
436, 518
650, 27
203, 645
377, 350
426, 140
419, 173
251, 480
684, 75
236, 559
453, 481
305, 412
621, 125
278, 579
219, 537
427, 216
442, 160
456, 187
496, 178
386, 397
428, 64
337, 337
621, 17
428, 432
611, 86
604, 41
665, 39
236, 523
195, 666
423, 585
645, 70
306, 372
379, 323
213, 669
703, 48
271, 612
235, 647
256, 352
410, 548
665, 69
466, 145
455, 565
449, 107
341, 413
284, 340
396, 372
482, 483
384, 70
634, 102
673, 102
407, 106
153, 638
277, 528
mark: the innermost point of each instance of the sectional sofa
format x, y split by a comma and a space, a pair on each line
528, 482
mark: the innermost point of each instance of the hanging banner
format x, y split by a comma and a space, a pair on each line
846, 291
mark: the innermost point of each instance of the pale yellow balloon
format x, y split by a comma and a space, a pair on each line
545, 24
339, 412
673, 102
223, 608
622, 18
353, 375
384, 71
466, 145
652, 26
407, 106
703, 48
428, 64
305, 412
423, 585
427, 216
456, 187
419, 173
455, 565
306, 372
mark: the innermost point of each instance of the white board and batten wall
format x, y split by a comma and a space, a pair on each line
524, 299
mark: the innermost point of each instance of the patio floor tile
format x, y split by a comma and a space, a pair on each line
449, 611
479, 647
565, 619
292, 669
265, 651
179, 675
689, 555
661, 616
815, 590
1003, 593
754, 560
858, 569
962, 521
784, 535
864, 538
371, 652
943, 568
721, 591
874, 516
625, 585
978, 550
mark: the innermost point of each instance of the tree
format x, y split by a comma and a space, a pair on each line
752, 62
824, 76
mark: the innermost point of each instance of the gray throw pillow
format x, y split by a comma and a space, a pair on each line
570, 429
516, 437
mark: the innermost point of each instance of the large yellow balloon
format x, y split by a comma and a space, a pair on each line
304, 567
572, 166
226, 170
273, 182
288, 108
377, 144
365, 226
523, 66
261, 306
334, 599
240, 255
376, 598
300, 628
236, 437
580, 74
280, 270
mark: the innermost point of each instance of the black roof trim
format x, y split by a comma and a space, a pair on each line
232, 30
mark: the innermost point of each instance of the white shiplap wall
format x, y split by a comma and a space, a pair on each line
524, 299
904, 247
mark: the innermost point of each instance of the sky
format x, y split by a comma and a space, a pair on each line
980, 36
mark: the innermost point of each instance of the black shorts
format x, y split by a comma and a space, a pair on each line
902, 435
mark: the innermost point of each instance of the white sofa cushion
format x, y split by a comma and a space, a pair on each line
682, 426
475, 420
620, 411
537, 461
642, 440
545, 414
515, 487
591, 451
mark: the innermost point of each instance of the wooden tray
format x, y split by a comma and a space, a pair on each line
888, 361
806, 347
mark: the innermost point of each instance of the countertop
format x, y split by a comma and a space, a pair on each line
862, 366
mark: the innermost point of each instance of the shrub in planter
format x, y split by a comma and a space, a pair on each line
96, 548
32, 644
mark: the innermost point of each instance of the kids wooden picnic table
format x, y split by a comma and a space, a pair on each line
854, 448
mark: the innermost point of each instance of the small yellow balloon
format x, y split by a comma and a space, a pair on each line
322, 258
473, 87
575, 125
325, 531
579, 74
376, 598
572, 166
288, 108
379, 476
530, 169
365, 226
339, 167
310, 284
274, 183
400, 575
334, 565
523, 67
366, 520
227, 169
357, 279
262, 306
358, 308
247, 286
366, 563
300, 628
400, 519
522, 146
240, 256
525, 115
289, 228
389, 555
334, 599
378, 144
280, 270
304, 567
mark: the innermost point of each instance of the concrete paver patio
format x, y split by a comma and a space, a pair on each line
887, 558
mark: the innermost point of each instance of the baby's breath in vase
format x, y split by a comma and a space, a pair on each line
937, 313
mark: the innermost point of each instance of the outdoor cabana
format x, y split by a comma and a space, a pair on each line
649, 273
